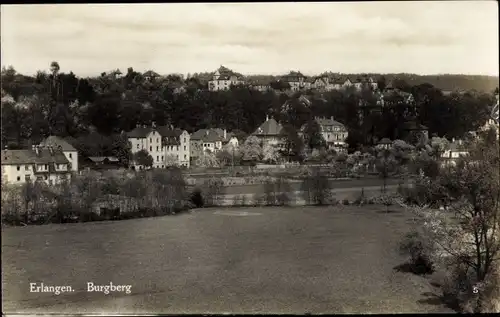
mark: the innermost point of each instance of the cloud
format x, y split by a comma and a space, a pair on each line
437, 37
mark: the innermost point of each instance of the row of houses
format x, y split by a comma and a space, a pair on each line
271, 133
223, 78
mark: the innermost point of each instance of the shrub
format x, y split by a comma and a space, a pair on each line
196, 198
316, 188
361, 199
420, 251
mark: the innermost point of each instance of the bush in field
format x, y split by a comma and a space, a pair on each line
197, 198
316, 188
420, 250
213, 188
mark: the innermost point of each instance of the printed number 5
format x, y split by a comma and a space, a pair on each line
475, 290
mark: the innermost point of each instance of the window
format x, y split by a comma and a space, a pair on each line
184, 148
177, 156
151, 149
157, 148
150, 140
162, 157
163, 166
27, 178
157, 140
26, 167
70, 155
137, 145
157, 158
46, 166
184, 140
18, 168
18, 178
185, 156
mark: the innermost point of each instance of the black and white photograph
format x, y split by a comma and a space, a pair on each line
250, 158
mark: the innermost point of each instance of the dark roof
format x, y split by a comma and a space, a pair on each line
269, 128
385, 141
11, 157
139, 132
98, 159
211, 135
151, 73
58, 142
164, 131
328, 122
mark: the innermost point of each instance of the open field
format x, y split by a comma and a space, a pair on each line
256, 260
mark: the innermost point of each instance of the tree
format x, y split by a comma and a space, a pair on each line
143, 158
294, 146
171, 160
208, 159
386, 164
271, 154
467, 235
312, 135
381, 83
251, 149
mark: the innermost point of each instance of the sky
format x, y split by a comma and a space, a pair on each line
254, 38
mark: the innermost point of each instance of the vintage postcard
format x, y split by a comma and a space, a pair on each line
250, 158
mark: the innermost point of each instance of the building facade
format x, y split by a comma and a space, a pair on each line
223, 79
47, 164
69, 151
166, 145
270, 133
334, 133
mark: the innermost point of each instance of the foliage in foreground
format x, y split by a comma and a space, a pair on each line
466, 235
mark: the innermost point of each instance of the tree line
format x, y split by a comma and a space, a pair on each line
101, 108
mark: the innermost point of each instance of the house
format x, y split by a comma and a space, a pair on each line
46, 164
347, 83
223, 79
211, 140
69, 151
333, 132
101, 162
270, 132
150, 75
456, 150
385, 144
336, 83
296, 80
320, 83
164, 143
260, 85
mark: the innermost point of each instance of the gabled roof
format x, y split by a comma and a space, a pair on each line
11, 157
164, 131
211, 135
58, 142
99, 159
329, 122
151, 73
269, 128
385, 141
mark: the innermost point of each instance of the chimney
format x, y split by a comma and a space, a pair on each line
331, 118
267, 117
453, 140
206, 132
153, 124
37, 150
51, 150
225, 134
